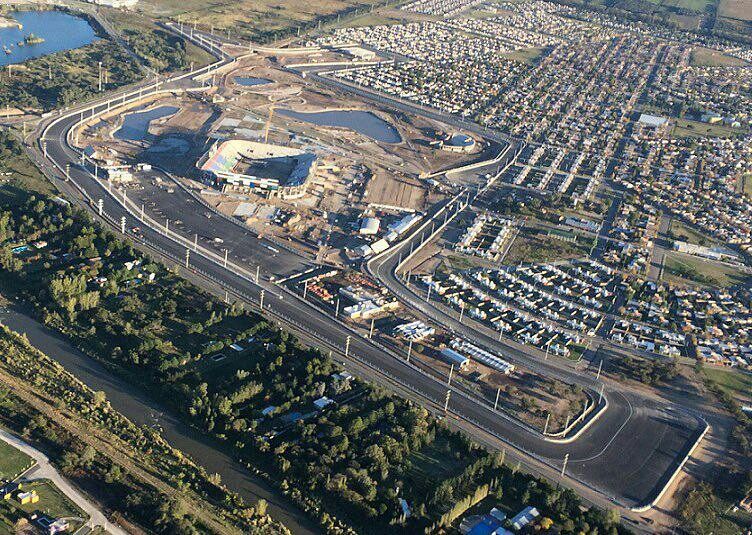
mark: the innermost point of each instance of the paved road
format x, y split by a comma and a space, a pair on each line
44, 470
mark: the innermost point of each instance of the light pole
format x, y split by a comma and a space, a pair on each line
564, 466
347, 346
261, 300
498, 393
409, 350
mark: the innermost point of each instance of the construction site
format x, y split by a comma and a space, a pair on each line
287, 158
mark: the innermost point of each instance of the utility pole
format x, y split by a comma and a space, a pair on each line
428, 294
305, 289
336, 309
347, 345
569, 417
600, 398
195, 240
498, 393
370, 332
100, 76
261, 300
446, 401
44, 147
258, 269
67, 172
462, 310
225, 261
409, 350
600, 365
142, 211
167, 226
451, 371
545, 427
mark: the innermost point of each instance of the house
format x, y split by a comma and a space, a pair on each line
27, 497
323, 402
524, 517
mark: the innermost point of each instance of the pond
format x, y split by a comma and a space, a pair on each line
136, 125
250, 81
363, 122
59, 30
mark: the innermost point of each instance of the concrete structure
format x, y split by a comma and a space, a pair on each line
262, 167
369, 226
712, 253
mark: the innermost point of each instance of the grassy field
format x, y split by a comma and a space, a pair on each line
686, 269
688, 128
12, 461
747, 186
22, 171
526, 55
123, 20
683, 232
705, 57
736, 9
255, 19
531, 247
693, 5
53, 503
431, 465
735, 382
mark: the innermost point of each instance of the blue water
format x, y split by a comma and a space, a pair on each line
363, 122
136, 125
59, 30
250, 81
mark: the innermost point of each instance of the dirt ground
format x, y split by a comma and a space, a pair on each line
390, 190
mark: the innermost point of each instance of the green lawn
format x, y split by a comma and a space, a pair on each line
525, 55
705, 57
431, 465
735, 382
53, 502
688, 128
683, 269
12, 461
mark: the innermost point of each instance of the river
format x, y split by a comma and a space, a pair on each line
136, 405
59, 30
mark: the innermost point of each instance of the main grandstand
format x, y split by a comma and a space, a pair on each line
272, 169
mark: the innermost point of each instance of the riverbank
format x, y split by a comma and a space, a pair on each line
138, 407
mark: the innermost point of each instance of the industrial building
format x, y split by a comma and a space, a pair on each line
273, 170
